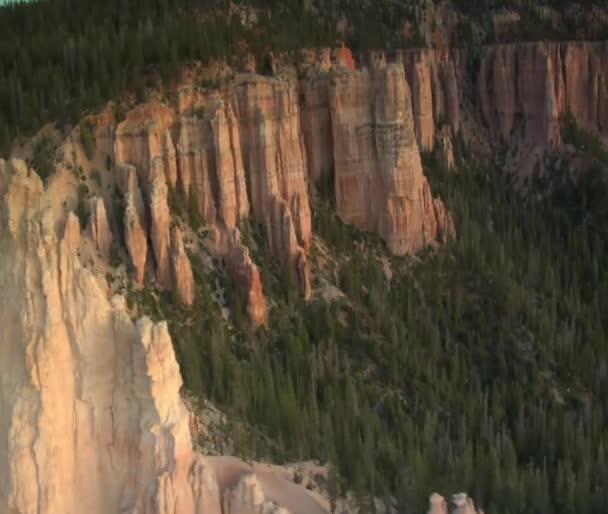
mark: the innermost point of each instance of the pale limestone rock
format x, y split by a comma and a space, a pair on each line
182, 277
71, 233
99, 228
247, 496
135, 230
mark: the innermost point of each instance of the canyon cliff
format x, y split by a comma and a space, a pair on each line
91, 416
253, 149
512, 94
92, 420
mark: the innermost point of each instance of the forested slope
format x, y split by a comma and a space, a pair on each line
59, 58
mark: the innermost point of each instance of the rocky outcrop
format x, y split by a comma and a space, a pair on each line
90, 414
273, 154
160, 222
437, 504
380, 185
460, 504
233, 203
316, 125
100, 228
145, 135
247, 277
181, 270
217, 157
134, 226
507, 95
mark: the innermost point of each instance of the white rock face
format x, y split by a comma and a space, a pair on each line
91, 419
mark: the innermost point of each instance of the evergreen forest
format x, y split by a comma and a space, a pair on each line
60, 58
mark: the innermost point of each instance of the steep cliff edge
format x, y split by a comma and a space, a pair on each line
92, 420
253, 149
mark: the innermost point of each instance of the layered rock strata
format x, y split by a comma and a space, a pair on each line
251, 149
380, 185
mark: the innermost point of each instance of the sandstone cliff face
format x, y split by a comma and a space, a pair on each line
181, 271
160, 222
380, 185
251, 149
517, 92
135, 232
100, 228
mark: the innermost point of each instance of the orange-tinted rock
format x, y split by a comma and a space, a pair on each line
197, 166
181, 277
247, 276
434, 89
232, 189
511, 101
316, 124
144, 135
345, 57
100, 228
422, 103
445, 223
445, 147
160, 222
273, 149
135, 239
380, 185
